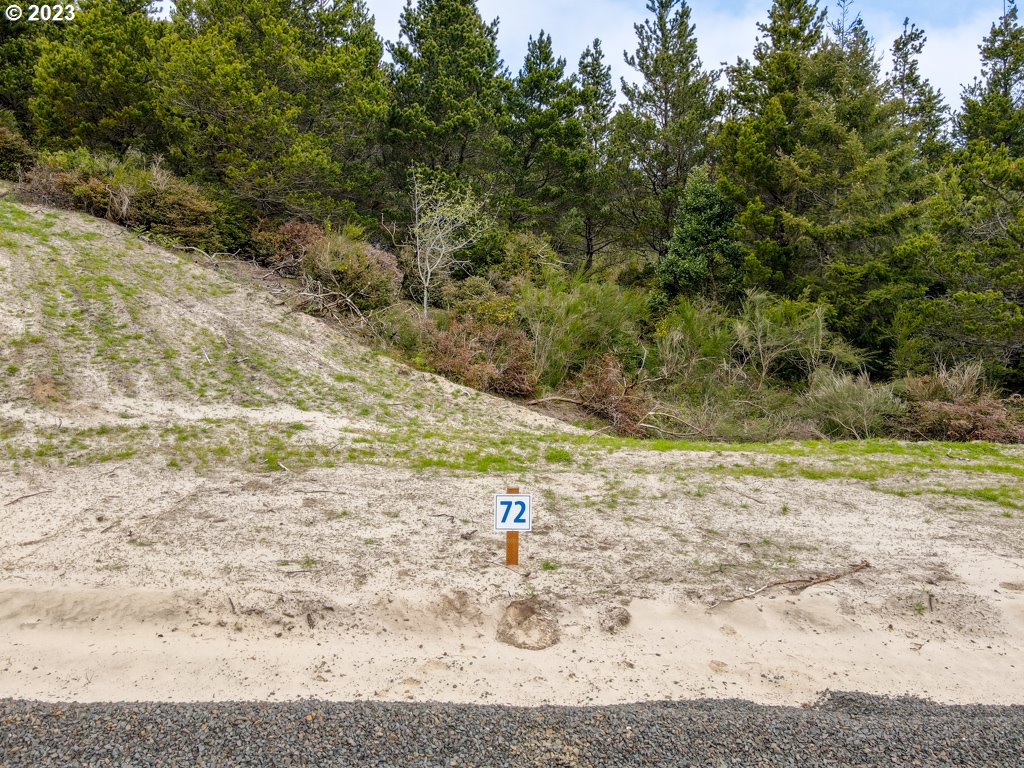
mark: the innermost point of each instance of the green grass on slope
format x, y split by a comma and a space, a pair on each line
84, 301
90, 304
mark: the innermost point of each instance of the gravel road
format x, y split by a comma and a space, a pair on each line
842, 730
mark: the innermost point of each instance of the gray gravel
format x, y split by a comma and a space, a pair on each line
843, 730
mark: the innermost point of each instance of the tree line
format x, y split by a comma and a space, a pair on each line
801, 200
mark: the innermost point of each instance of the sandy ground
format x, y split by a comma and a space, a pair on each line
222, 587
205, 495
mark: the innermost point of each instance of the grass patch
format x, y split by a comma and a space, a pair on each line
557, 456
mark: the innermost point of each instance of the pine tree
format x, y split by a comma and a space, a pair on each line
993, 110
279, 100
595, 201
447, 83
764, 98
795, 29
21, 44
662, 131
974, 306
95, 87
544, 154
825, 174
921, 108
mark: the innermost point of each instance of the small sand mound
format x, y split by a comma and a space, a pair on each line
525, 624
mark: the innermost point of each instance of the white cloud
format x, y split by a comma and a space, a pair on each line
950, 58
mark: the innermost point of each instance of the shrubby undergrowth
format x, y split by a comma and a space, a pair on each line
797, 246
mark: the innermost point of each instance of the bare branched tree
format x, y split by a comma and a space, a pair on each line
444, 223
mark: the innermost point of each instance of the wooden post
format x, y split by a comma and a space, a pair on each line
511, 540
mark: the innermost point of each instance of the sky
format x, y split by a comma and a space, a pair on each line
726, 29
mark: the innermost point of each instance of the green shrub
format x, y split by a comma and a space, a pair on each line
572, 324
15, 154
783, 336
963, 383
527, 254
691, 344
846, 406
176, 209
404, 328
346, 273
131, 191
9, 121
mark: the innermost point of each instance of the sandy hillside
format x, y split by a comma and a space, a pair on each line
207, 495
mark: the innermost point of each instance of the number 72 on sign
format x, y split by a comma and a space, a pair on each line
513, 512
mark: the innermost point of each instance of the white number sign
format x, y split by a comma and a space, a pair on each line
513, 512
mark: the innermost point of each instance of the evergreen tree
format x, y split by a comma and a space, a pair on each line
280, 100
921, 109
974, 306
702, 258
21, 44
595, 202
544, 156
95, 87
764, 99
795, 29
447, 83
993, 110
825, 174
662, 131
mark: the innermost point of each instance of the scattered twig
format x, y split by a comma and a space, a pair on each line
798, 585
282, 466
451, 518
300, 570
467, 536
34, 541
232, 604
28, 496
747, 496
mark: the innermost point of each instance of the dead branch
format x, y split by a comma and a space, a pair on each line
660, 431
28, 496
554, 399
673, 417
800, 584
